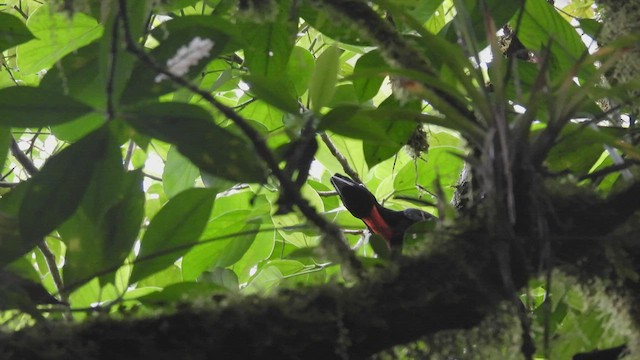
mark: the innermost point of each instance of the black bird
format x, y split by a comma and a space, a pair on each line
361, 203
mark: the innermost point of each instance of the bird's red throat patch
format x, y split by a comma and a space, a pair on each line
377, 224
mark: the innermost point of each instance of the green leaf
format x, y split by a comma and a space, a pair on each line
179, 173
78, 128
268, 47
591, 27
300, 68
264, 281
173, 231
102, 232
228, 237
541, 23
265, 88
12, 246
57, 35
221, 276
577, 150
23, 106
12, 32
77, 75
261, 249
372, 126
397, 129
56, 191
345, 94
324, 78
368, 86
168, 276
500, 12
145, 83
5, 143
208, 146
441, 162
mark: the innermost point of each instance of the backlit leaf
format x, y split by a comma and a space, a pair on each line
208, 146
173, 231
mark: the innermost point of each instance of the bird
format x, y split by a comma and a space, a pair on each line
362, 204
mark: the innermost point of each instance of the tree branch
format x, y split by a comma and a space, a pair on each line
348, 322
341, 159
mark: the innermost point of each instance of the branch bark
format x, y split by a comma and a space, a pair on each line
454, 287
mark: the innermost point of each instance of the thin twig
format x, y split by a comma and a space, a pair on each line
152, 177
23, 159
334, 236
5, 184
127, 158
113, 56
327, 193
341, 159
609, 170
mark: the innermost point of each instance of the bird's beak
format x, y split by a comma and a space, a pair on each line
340, 182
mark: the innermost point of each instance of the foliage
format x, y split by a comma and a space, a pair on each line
135, 184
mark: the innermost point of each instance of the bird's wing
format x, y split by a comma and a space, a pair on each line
417, 215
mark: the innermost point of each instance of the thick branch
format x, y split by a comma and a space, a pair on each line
454, 287
326, 322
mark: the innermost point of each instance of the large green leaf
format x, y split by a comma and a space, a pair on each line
261, 248
57, 35
541, 24
101, 233
179, 173
12, 246
210, 147
284, 98
442, 163
398, 130
268, 47
56, 191
233, 236
324, 78
77, 75
367, 86
375, 127
173, 231
23, 106
300, 68
12, 32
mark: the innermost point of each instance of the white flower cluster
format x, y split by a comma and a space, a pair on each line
186, 57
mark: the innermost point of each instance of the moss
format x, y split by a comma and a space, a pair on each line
620, 18
258, 11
